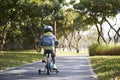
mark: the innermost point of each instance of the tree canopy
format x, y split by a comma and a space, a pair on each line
97, 12
22, 21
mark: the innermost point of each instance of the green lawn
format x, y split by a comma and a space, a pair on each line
106, 67
17, 58
10, 59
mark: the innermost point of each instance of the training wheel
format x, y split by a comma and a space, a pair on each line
57, 71
39, 71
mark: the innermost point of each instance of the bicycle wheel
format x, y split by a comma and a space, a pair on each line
48, 67
39, 71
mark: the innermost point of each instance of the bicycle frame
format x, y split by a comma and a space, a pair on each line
49, 65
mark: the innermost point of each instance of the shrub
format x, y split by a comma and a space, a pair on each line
93, 48
102, 49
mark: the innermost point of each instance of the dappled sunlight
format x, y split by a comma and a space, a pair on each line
106, 67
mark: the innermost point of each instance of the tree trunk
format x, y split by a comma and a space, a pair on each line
116, 37
109, 35
117, 32
63, 45
54, 27
98, 39
77, 39
100, 34
3, 41
69, 39
34, 36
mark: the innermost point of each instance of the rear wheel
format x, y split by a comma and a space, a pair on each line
48, 71
48, 67
39, 71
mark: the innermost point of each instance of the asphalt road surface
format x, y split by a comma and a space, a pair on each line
70, 68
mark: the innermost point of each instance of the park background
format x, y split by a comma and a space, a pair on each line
92, 26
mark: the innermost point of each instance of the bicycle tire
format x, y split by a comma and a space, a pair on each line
48, 67
39, 71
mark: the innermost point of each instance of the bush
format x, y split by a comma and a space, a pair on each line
102, 49
93, 48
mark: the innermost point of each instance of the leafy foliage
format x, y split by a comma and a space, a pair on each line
22, 22
96, 13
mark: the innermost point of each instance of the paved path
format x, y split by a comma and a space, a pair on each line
70, 68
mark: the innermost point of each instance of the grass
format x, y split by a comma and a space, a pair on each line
106, 67
18, 58
8, 60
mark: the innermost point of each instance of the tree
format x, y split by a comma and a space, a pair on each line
97, 12
22, 21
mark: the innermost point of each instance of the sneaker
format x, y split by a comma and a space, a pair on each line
54, 67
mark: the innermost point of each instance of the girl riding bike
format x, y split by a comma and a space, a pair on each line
48, 42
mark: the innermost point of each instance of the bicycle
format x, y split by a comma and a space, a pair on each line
48, 66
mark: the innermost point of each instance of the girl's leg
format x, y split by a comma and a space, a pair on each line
53, 57
44, 56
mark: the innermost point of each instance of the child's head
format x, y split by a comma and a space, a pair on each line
48, 28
